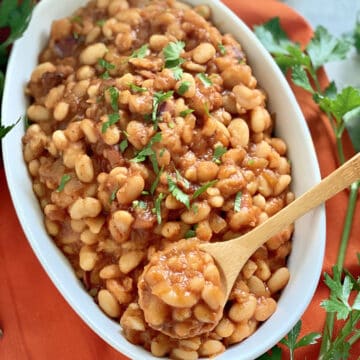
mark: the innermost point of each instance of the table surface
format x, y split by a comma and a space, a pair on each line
339, 17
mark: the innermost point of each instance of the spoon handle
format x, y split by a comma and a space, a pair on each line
338, 180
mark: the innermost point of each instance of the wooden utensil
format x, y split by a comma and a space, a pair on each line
232, 255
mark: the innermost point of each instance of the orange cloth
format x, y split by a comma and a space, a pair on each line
37, 322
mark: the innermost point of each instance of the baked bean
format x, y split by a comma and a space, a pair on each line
108, 303
38, 113
91, 54
87, 258
278, 280
206, 171
243, 311
41, 69
203, 53
130, 261
85, 207
110, 272
265, 308
84, 168
239, 133
131, 190
211, 347
198, 212
236, 74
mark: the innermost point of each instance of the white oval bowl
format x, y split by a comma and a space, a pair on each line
306, 258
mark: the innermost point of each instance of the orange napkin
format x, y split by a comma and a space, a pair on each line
39, 324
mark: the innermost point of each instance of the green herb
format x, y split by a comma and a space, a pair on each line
186, 112
184, 87
156, 181
5, 129
114, 97
27, 122
139, 204
144, 192
140, 53
75, 35
203, 188
251, 162
158, 201
204, 79
159, 97
195, 208
219, 151
123, 145
112, 119
173, 60
100, 22
63, 181
222, 49
135, 88
161, 153
190, 233
171, 125
147, 151
113, 195
343, 110
76, 19
106, 66
177, 193
181, 179
237, 202
206, 109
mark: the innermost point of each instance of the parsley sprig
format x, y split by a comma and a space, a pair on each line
140, 53
159, 98
172, 57
343, 111
106, 67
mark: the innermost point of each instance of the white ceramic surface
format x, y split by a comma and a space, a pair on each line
309, 238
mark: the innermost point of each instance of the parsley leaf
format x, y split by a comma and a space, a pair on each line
135, 88
273, 354
139, 204
237, 202
114, 97
219, 151
76, 19
273, 37
112, 119
5, 129
203, 188
64, 179
190, 233
300, 78
172, 53
324, 48
186, 112
352, 124
113, 195
222, 49
156, 181
204, 79
181, 179
184, 87
356, 35
158, 201
159, 97
106, 66
100, 22
123, 145
140, 53
177, 193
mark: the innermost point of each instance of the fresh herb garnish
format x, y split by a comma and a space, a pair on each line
237, 202
5, 129
190, 233
184, 87
137, 89
173, 60
106, 66
186, 112
219, 151
76, 19
156, 181
139, 204
123, 145
144, 192
112, 119
171, 125
113, 195
140, 53
181, 179
222, 49
203, 188
158, 201
204, 79
114, 97
63, 181
100, 22
159, 97
177, 193
147, 151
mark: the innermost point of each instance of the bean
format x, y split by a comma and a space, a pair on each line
87, 258
203, 53
85, 207
170, 229
181, 354
199, 211
259, 119
91, 54
213, 296
257, 286
108, 303
130, 260
239, 132
84, 168
206, 171
110, 272
38, 113
278, 280
131, 190
41, 69
243, 311
225, 328
160, 349
264, 309
236, 74
211, 347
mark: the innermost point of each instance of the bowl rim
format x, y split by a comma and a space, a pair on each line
56, 277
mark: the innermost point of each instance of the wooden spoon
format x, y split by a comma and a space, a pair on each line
232, 255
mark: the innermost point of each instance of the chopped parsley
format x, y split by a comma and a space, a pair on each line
251, 162
204, 79
222, 49
158, 201
219, 151
114, 97
156, 181
171, 125
184, 87
144, 192
181, 179
190, 233
159, 97
100, 22
106, 66
123, 145
173, 60
237, 202
137, 89
113, 195
139, 204
186, 112
76, 19
203, 188
177, 193
63, 181
112, 119
140, 53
